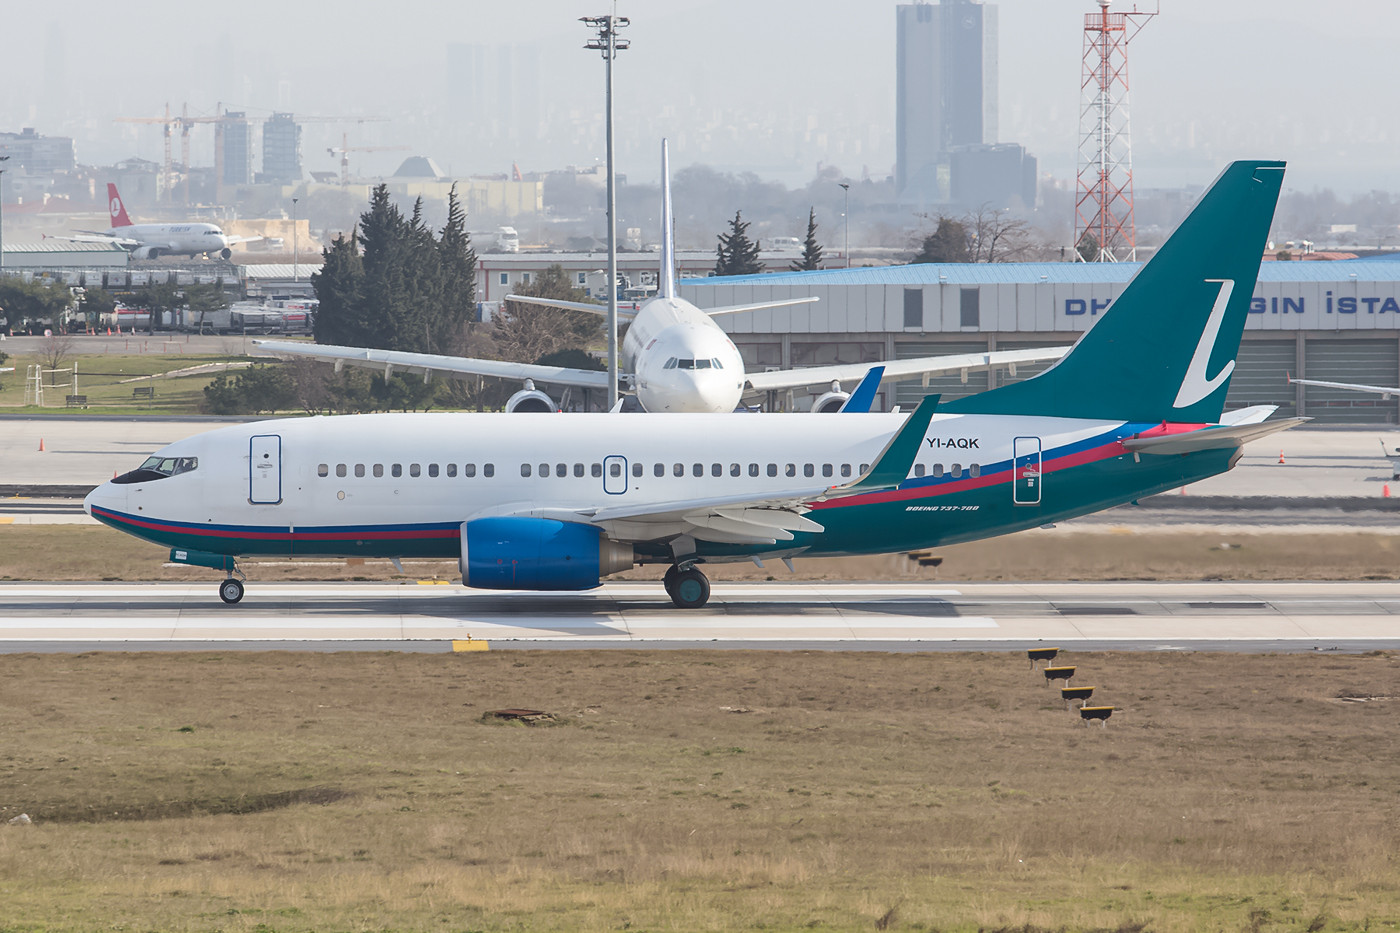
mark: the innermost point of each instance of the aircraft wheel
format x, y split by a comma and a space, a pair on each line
231, 590
692, 589
669, 581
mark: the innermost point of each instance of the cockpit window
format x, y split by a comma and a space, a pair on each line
717, 364
702, 364
158, 468
685, 364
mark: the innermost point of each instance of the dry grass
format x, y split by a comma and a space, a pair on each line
858, 791
87, 553
100, 378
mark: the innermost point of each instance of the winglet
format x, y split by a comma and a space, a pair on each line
864, 395
892, 466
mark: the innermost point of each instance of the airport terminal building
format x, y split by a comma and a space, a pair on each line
1335, 321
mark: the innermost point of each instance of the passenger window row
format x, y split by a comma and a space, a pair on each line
595, 470
955, 470
396, 469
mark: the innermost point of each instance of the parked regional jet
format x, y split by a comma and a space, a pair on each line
148, 241
1135, 408
679, 359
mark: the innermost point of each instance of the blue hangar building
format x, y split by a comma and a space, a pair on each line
1337, 321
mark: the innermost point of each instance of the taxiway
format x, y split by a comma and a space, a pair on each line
1155, 616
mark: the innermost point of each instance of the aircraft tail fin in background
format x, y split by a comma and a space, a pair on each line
666, 281
116, 208
1166, 348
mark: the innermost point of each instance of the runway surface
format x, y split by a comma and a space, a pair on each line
1129, 616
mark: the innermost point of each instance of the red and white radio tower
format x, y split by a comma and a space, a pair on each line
1103, 214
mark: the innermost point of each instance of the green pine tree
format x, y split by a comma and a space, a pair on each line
811, 249
948, 243
736, 253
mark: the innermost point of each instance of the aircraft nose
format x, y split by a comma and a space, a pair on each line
107, 496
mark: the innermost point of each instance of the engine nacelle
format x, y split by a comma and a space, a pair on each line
531, 400
226, 253
538, 554
145, 252
830, 402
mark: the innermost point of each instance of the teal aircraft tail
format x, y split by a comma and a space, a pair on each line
1165, 350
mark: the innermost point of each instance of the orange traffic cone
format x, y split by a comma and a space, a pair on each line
1385, 491
41, 443
1280, 457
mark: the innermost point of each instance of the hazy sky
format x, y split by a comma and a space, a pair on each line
776, 88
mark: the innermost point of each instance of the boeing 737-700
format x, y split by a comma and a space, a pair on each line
541, 503
679, 359
149, 241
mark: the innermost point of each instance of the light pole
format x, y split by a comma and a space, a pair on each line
846, 215
295, 255
609, 44
2, 215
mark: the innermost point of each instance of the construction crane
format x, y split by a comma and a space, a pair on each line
184, 121
344, 149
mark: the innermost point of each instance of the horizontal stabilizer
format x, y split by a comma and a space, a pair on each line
1218, 437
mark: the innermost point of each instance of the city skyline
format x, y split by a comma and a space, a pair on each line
775, 91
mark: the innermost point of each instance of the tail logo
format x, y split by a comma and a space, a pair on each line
1195, 386
116, 208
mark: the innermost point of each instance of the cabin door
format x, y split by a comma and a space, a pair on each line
265, 469
614, 475
1025, 471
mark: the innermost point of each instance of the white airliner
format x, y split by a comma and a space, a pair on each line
541, 503
679, 359
149, 241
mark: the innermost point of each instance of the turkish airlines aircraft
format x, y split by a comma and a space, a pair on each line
148, 241
536, 503
679, 359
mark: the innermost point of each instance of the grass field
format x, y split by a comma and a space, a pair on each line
697, 791
102, 379
93, 553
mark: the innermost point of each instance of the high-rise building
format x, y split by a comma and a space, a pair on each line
946, 91
238, 149
281, 150
40, 155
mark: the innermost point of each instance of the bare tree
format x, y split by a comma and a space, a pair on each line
995, 236
55, 350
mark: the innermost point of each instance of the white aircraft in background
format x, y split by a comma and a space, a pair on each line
148, 241
679, 359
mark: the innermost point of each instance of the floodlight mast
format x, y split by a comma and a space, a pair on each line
609, 43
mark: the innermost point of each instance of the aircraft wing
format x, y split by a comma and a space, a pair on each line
1385, 392
588, 306
1215, 437
750, 519
124, 242
898, 369
735, 309
391, 361
235, 240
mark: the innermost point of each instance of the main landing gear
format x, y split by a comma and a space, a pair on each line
688, 588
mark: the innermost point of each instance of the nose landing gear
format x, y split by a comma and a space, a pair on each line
688, 588
231, 590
